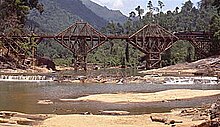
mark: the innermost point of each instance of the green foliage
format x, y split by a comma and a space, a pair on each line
114, 56
63, 62
216, 3
17, 9
161, 5
180, 52
190, 18
215, 28
140, 11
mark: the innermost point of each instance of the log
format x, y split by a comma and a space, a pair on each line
33, 117
22, 121
114, 112
164, 120
4, 120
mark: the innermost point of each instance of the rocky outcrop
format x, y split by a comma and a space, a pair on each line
17, 119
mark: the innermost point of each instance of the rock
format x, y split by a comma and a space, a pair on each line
214, 111
22, 121
7, 114
210, 123
96, 67
165, 101
87, 113
4, 120
164, 120
120, 82
45, 102
114, 112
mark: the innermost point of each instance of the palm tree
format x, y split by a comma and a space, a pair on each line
140, 11
132, 15
216, 3
176, 10
150, 7
161, 5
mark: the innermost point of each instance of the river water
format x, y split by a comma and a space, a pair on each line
23, 97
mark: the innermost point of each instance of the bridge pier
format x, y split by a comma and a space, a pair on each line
80, 38
153, 60
80, 62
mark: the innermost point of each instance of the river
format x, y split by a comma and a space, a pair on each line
23, 97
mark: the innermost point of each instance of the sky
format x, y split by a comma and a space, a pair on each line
126, 6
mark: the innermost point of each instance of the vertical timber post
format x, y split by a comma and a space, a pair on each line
148, 61
34, 47
84, 54
85, 63
74, 62
34, 56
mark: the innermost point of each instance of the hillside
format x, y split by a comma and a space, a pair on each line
52, 20
59, 14
104, 12
76, 7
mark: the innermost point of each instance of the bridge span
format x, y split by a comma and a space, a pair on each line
81, 38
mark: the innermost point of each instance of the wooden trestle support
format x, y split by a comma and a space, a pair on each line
152, 40
201, 41
80, 38
13, 45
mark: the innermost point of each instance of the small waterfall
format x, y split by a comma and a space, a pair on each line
25, 78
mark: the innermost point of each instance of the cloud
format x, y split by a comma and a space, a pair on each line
118, 4
126, 6
112, 4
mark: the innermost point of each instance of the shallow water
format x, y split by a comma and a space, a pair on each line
23, 97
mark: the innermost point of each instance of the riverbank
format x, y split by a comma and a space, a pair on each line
184, 117
204, 67
77, 120
117, 121
187, 117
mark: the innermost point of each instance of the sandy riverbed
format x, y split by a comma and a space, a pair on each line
116, 121
144, 120
168, 95
130, 120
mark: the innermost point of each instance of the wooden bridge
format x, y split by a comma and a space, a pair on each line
81, 38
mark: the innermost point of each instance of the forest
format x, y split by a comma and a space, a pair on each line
202, 16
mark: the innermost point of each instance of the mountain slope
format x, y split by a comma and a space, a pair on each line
59, 14
76, 7
52, 20
109, 15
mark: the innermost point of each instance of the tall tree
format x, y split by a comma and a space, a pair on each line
140, 11
187, 6
176, 11
150, 7
132, 15
216, 3
161, 5
215, 28
13, 12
